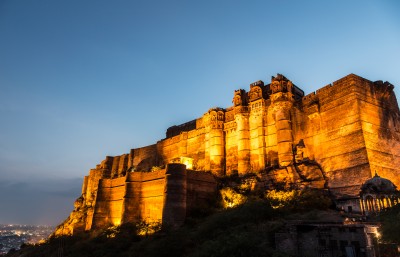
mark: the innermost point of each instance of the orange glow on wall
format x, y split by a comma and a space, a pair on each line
188, 162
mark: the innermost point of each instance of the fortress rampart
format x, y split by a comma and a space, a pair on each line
350, 128
164, 196
336, 137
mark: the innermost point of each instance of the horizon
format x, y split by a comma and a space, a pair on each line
81, 81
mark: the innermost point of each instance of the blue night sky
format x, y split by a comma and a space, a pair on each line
80, 80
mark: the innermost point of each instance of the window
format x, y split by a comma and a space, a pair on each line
349, 209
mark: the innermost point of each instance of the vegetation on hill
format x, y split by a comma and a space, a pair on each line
390, 225
243, 224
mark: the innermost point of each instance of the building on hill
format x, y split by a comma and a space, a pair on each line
329, 239
333, 138
376, 194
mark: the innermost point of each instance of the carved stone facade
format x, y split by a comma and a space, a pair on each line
378, 194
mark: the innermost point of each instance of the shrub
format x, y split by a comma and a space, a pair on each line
298, 200
390, 225
231, 198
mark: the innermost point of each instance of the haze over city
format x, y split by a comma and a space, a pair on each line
83, 80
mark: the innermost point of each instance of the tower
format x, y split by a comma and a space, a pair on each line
242, 131
256, 125
214, 140
281, 102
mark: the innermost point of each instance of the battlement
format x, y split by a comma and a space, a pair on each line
344, 84
177, 129
259, 83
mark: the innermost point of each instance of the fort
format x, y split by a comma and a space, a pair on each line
335, 138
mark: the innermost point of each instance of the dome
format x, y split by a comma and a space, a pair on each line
378, 185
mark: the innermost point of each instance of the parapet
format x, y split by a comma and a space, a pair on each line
338, 86
177, 129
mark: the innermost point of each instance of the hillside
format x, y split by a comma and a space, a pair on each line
245, 230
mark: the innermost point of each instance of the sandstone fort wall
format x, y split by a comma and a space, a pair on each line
164, 196
350, 128
336, 138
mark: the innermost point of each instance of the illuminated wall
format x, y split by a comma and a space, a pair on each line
347, 130
350, 128
162, 196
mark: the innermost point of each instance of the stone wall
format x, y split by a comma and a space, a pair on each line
164, 196
187, 144
350, 128
336, 138
201, 188
381, 125
109, 203
328, 239
351, 132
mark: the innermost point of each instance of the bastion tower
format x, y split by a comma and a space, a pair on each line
281, 103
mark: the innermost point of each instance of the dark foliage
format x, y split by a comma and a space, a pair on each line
391, 225
247, 230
